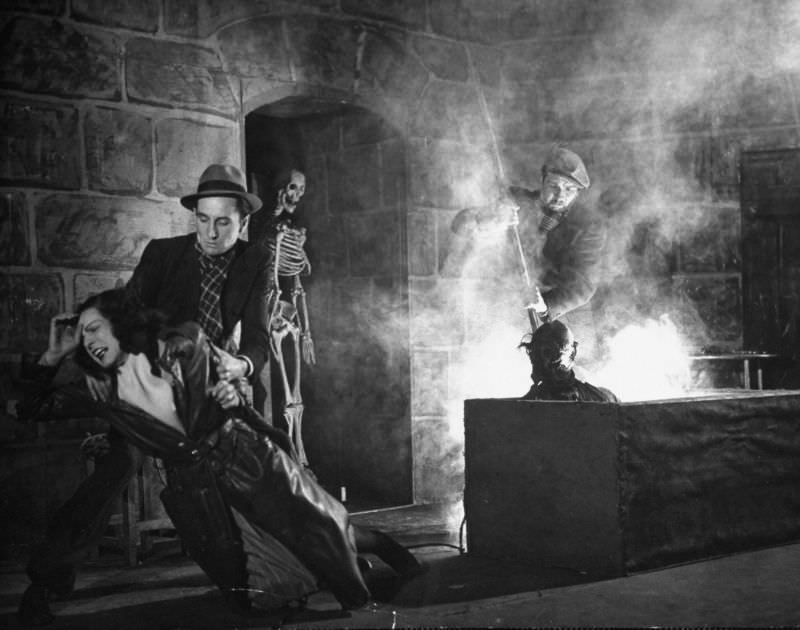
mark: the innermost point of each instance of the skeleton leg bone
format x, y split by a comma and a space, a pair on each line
292, 403
295, 408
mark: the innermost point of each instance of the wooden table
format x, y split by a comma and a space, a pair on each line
745, 357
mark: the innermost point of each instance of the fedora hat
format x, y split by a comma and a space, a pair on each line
222, 180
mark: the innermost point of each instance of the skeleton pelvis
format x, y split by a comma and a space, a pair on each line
283, 312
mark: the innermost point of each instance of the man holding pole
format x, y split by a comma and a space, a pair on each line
561, 239
557, 240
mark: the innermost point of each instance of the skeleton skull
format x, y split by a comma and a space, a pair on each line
291, 192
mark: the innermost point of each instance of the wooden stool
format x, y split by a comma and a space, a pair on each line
140, 513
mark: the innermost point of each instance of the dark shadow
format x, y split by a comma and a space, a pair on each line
198, 612
463, 577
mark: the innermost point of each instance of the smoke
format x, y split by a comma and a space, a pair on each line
655, 95
658, 100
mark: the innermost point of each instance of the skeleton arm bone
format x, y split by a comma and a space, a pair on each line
307, 343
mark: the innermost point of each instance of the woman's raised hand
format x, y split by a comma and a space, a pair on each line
65, 337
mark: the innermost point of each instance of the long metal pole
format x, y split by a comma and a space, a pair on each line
533, 316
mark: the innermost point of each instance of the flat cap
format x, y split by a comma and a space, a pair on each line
567, 163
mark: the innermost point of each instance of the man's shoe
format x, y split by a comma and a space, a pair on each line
33, 608
400, 559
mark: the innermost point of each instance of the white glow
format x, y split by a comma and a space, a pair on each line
496, 368
648, 361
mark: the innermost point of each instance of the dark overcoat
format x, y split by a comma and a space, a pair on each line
168, 278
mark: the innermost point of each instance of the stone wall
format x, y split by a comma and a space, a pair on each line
661, 98
111, 110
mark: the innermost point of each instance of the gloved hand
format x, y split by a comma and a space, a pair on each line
533, 299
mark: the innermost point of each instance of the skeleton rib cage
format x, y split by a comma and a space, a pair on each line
289, 256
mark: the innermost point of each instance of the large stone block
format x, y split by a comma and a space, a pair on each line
389, 69
596, 109
54, 57
43, 7
754, 101
321, 50
373, 244
354, 180
451, 111
522, 115
726, 150
438, 450
184, 148
393, 174
437, 312
406, 12
314, 208
40, 145
15, 239
450, 175
622, 162
27, 303
429, 382
488, 62
255, 49
683, 103
523, 162
201, 18
682, 167
119, 151
524, 19
176, 74
88, 284
365, 127
710, 310
327, 245
138, 16
378, 465
710, 241
445, 59
99, 232
321, 134
533, 60
471, 20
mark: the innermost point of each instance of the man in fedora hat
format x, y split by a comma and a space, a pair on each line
213, 277
210, 276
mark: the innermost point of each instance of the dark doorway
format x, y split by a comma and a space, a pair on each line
770, 197
356, 419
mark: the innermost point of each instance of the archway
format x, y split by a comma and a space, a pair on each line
356, 421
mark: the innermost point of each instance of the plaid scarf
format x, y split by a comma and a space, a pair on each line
550, 220
214, 270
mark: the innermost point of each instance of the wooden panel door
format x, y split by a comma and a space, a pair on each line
770, 198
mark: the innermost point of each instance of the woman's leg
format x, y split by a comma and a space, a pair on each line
75, 527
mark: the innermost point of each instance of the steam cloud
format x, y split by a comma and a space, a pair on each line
691, 84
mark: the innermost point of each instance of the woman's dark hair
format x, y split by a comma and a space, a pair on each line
135, 327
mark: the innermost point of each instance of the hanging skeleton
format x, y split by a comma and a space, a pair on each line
286, 302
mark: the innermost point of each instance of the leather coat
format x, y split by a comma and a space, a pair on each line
232, 457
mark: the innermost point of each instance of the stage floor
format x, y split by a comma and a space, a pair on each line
757, 588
